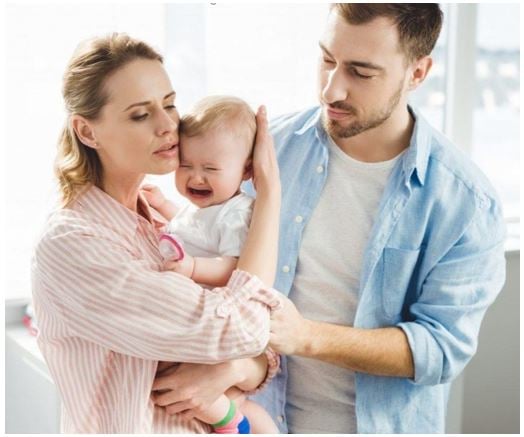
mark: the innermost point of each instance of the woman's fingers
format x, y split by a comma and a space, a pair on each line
265, 167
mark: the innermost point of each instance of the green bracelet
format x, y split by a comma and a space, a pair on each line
230, 414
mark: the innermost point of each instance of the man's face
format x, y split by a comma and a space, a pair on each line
362, 75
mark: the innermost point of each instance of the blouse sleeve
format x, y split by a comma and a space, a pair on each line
104, 294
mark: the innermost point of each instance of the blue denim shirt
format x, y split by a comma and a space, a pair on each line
434, 262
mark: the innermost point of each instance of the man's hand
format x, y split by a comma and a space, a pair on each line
290, 333
191, 388
185, 267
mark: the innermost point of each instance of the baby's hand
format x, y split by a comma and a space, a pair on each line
185, 267
153, 195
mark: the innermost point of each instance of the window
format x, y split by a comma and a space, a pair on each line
496, 114
40, 39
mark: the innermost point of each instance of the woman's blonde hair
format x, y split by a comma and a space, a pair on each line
76, 164
220, 112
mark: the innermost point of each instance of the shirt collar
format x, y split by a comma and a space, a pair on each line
415, 160
314, 121
101, 205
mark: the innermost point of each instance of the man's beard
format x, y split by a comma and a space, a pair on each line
335, 130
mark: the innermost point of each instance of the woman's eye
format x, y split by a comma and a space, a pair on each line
139, 117
170, 107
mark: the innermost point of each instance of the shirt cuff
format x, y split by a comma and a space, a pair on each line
273, 367
244, 285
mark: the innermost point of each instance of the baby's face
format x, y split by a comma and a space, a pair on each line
212, 166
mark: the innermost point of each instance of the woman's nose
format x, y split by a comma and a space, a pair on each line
167, 124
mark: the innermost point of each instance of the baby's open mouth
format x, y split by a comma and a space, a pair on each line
199, 193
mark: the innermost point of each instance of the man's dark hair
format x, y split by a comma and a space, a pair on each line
418, 24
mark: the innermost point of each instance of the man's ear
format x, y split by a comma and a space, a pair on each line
248, 170
84, 131
420, 70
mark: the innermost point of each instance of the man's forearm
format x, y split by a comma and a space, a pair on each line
381, 351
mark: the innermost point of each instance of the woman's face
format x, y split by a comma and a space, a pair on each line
137, 130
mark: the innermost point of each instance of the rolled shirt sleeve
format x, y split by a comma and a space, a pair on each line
455, 296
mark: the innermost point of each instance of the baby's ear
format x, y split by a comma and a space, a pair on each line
248, 170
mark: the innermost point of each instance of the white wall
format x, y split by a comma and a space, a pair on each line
492, 380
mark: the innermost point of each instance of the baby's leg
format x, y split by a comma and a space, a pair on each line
259, 419
216, 411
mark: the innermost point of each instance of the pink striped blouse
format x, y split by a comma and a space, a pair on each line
107, 314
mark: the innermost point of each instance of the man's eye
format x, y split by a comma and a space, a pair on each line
328, 61
139, 117
361, 76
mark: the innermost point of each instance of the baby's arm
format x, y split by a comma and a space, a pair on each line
157, 200
210, 271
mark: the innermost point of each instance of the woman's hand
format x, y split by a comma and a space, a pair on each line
266, 178
191, 388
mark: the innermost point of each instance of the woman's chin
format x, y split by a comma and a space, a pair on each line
165, 168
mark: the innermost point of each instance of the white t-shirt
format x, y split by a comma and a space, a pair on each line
215, 230
321, 396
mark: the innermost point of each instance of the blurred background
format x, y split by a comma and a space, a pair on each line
266, 54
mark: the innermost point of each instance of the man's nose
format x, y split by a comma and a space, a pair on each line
335, 88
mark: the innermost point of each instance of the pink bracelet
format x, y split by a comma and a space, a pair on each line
171, 247
273, 367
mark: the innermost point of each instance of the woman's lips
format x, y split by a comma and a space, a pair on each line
168, 153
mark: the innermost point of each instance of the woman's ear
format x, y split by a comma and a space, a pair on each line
84, 131
248, 170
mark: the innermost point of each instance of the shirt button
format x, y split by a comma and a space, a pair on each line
285, 269
320, 169
280, 419
299, 219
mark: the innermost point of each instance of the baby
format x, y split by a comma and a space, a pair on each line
216, 142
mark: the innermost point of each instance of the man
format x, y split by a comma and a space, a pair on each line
391, 239
391, 243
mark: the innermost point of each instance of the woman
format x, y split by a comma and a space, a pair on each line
107, 311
